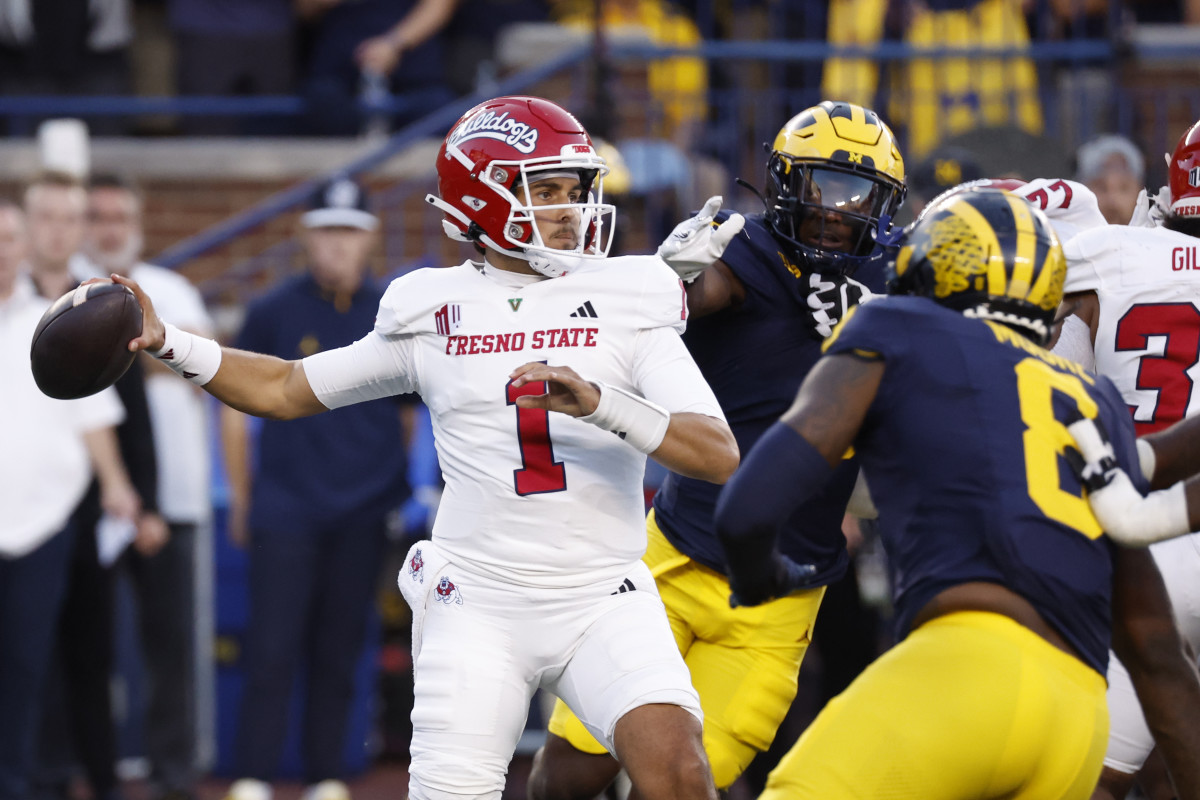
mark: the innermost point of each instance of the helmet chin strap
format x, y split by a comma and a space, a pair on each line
552, 265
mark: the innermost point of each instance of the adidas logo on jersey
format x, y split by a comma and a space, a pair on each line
626, 586
585, 310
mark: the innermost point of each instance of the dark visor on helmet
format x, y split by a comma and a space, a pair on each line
827, 208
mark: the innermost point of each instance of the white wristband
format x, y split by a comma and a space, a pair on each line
635, 419
1136, 521
192, 356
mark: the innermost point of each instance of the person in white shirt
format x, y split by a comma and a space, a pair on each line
82, 731
162, 561
550, 372
51, 450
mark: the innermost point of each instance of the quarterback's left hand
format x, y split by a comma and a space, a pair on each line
830, 297
696, 243
566, 392
781, 577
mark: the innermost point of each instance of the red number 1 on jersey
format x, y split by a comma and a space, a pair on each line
540, 473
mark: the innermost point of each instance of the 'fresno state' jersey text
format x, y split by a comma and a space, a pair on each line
532, 496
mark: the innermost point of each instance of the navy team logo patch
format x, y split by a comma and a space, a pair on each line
447, 592
416, 567
1194, 176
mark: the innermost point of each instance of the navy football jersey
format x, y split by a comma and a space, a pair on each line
1005, 509
754, 357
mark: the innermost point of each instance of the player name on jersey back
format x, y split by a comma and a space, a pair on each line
1184, 258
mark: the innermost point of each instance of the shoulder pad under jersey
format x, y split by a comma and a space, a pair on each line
1095, 257
1071, 207
650, 289
413, 302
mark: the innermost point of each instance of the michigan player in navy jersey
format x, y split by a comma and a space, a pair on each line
1006, 589
835, 176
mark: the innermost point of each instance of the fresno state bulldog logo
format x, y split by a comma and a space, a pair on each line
447, 592
416, 567
502, 127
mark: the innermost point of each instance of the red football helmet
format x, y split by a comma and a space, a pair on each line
485, 167
1183, 174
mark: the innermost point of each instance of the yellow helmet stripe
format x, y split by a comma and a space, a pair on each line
1026, 247
997, 275
1053, 264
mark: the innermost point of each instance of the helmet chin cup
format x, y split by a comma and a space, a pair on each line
552, 266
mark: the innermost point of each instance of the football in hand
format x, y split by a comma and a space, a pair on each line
81, 344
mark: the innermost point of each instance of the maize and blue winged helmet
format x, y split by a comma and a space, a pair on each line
987, 253
835, 179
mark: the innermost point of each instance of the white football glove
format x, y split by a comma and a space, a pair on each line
831, 297
1148, 211
696, 243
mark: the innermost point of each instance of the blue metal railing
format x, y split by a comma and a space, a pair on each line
437, 122
744, 118
434, 124
768, 51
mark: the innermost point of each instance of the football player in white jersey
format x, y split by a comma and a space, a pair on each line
550, 371
1135, 292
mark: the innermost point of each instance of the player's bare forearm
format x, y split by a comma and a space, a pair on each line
1176, 452
832, 403
1086, 306
698, 446
263, 386
1170, 698
695, 445
566, 392
713, 290
1148, 643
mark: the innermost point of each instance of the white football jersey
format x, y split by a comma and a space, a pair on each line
1148, 337
533, 497
1070, 206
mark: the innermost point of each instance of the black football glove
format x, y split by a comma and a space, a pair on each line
779, 577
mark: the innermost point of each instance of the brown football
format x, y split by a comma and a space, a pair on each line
81, 344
